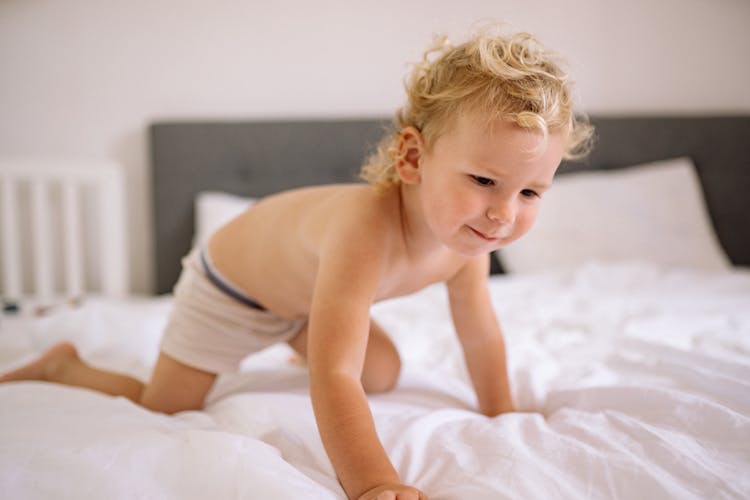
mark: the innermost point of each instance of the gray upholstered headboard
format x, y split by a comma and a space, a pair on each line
258, 158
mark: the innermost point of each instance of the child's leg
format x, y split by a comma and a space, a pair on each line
60, 364
382, 362
173, 386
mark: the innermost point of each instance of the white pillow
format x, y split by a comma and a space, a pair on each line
213, 209
652, 212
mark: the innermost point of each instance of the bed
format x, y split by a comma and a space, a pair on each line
631, 367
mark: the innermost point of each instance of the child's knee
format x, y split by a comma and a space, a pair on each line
169, 406
382, 382
175, 387
381, 374
164, 396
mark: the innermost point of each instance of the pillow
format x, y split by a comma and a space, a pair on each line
213, 209
653, 212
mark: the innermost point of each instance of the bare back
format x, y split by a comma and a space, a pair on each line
272, 249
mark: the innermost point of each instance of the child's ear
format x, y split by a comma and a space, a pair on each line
409, 158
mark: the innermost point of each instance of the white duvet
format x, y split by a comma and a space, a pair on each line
634, 381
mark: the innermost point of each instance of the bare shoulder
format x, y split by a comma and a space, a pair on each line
470, 277
362, 216
352, 214
321, 207
354, 234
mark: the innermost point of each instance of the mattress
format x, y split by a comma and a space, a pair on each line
632, 381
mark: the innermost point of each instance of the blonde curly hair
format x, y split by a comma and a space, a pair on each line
512, 77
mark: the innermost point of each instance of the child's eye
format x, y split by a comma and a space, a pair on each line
530, 193
483, 181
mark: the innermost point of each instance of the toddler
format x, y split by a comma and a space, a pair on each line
463, 173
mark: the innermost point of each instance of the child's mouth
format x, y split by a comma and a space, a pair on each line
492, 239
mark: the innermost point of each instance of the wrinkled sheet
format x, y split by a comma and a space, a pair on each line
633, 381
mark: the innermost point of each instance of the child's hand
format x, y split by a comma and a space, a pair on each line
393, 492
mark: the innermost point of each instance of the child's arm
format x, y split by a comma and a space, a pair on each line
481, 338
347, 280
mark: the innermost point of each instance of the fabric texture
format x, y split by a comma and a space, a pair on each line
632, 382
653, 213
213, 331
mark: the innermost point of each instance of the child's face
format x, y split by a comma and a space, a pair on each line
481, 187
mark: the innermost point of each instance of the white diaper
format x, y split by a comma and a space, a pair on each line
213, 331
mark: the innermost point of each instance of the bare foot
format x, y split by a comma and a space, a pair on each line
46, 366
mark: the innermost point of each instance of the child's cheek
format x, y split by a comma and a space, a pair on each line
525, 221
468, 208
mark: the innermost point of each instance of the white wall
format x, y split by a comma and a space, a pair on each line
84, 78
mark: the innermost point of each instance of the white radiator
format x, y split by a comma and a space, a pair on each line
63, 231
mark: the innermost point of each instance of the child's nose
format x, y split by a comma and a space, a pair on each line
503, 212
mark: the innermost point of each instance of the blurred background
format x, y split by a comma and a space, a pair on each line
83, 79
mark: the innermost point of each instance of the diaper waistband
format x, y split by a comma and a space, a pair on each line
224, 285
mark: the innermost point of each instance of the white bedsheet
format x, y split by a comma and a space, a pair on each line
635, 383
